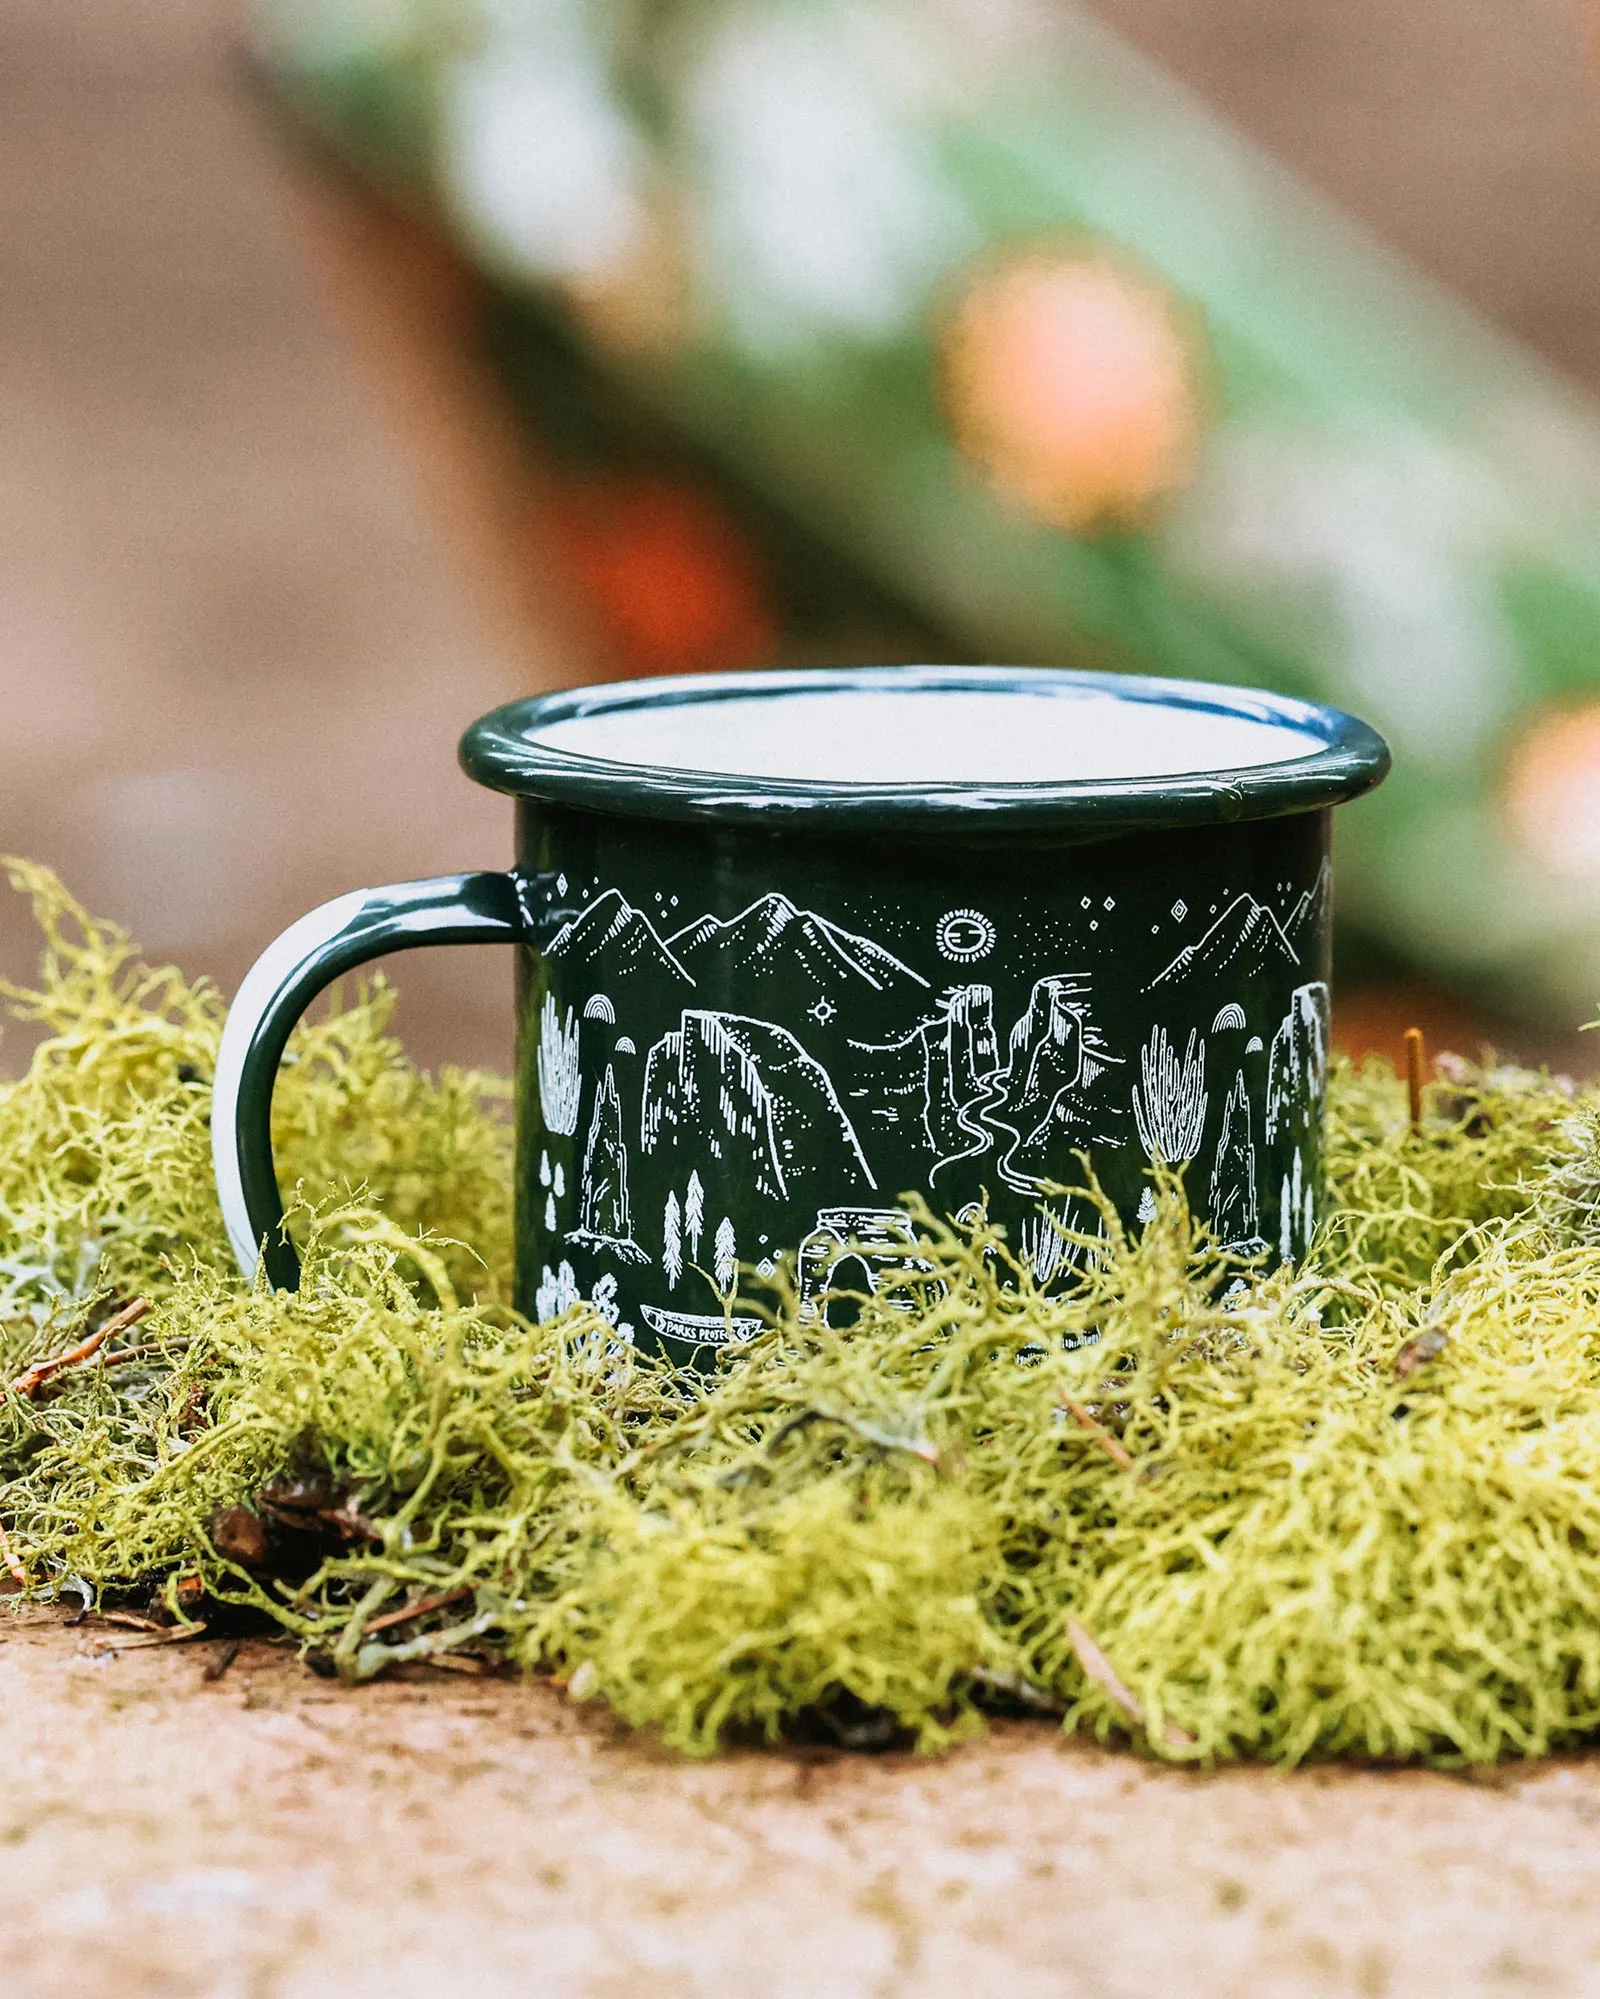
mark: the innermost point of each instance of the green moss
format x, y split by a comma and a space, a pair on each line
1286, 1544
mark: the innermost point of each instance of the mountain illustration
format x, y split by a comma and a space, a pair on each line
1047, 1048
1245, 939
1050, 1106
936, 1073
1235, 1215
725, 1088
615, 940
1311, 910
774, 948
605, 1221
1297, 1064
961, 1057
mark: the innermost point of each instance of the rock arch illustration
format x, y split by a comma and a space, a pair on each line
880, 1242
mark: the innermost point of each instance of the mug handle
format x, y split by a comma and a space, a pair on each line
280, 985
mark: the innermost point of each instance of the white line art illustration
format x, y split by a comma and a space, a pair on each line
1289, 1207
724, 1252
949, 1075
560, 1080
605, 1221
610, 927
557, 1292
775, 934
1056, 1053
939, 1073
1297, 1068
960, 1065
727, 1076
604, 1300
1246, 938
701, 1329
1311, 907
1169, 1105
1059, 1015
859, 1250
964, 935
1234, 1212
1044, 1244
694, 1211
848, 1056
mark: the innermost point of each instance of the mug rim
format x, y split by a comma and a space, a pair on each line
499, 751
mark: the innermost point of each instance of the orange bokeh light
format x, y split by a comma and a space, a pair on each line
1071, 382
1551, 790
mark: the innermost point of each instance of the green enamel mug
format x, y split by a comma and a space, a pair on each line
792, 946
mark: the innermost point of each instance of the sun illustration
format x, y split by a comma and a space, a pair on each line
965, 934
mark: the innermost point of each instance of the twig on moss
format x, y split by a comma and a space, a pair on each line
1416, 1071
1098, 1667
1117, 1453
125, 1354
33, 1378
1420, 1349
420, 1608
870, 1433
184, 1636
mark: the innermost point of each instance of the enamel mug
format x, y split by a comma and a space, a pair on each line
794, 945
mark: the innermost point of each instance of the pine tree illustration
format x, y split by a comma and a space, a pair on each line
725, 1256
672, 1245
694, 1214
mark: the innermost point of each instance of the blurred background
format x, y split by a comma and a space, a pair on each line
365, 363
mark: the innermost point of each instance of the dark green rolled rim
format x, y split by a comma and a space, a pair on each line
502, 750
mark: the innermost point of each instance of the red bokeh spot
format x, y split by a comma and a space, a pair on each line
672, 581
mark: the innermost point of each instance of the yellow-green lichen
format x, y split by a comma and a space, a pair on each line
1286, 1540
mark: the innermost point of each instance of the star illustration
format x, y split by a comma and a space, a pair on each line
822, 1012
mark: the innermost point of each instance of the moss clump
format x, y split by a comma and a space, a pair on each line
1217, 1510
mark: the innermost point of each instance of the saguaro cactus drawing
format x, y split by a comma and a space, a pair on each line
560, 1084
1170, 1107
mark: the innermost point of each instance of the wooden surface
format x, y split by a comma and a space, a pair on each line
270, 1836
